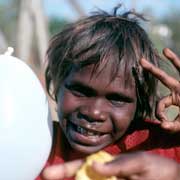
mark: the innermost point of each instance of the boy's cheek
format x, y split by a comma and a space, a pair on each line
124, 117
67, 103
127, 112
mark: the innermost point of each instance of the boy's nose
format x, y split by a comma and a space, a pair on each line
94, 110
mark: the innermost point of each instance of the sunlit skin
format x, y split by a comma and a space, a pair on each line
138, 166
102, 107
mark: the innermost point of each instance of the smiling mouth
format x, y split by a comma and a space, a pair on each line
84, 131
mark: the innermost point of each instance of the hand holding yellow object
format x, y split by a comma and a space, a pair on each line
87, 173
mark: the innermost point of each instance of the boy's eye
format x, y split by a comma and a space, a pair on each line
76, 90
77, 93
118, 100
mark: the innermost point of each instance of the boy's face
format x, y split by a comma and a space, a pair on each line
95, 111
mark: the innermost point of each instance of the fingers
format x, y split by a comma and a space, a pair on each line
61, 171
172, 84
125, 165
172, 126
167, 80
172, 57
161, 107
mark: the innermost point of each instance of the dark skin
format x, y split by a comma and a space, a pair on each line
139, 165
95, 111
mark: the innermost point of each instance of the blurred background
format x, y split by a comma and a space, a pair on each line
27, 26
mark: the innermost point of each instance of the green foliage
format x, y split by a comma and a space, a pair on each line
56, 24
172, 20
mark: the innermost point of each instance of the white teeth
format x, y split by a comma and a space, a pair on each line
86, 132
90, 133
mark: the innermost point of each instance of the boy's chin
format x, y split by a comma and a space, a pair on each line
85, 150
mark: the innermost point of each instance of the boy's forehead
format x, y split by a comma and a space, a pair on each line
105, 73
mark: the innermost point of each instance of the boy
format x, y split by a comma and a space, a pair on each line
104, 98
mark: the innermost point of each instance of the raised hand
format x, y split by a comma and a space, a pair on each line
174, 86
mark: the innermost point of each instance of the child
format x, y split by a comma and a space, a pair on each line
105, 99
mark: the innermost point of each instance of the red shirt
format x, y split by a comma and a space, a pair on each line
147, 137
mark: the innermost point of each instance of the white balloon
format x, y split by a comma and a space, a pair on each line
25, 130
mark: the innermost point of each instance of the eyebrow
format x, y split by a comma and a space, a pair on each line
121, 96
87, 88
82, 86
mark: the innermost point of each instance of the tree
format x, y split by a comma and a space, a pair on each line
8, 19
32, 19
3, 42
172, 21
56, 24
77, 7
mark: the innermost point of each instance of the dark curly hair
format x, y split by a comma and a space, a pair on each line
97, 37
